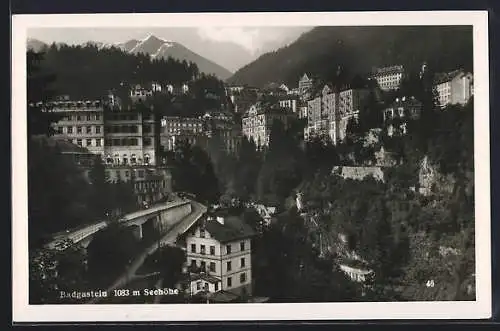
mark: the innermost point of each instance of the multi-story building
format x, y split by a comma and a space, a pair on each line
302, 109
455, 87
257, 122
223, 125
120, 136
289, 103
220, 246
305, 84
174, 129
396, 116
151, 183
317, 118
81, 123
131, 137
389, 78
329, 112
139, 93
350, 103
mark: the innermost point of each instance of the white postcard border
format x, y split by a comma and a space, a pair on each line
481, 308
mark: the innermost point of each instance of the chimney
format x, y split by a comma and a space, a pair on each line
220, 219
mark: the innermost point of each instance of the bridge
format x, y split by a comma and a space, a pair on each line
169, 238
147, 222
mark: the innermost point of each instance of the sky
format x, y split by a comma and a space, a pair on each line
230, 47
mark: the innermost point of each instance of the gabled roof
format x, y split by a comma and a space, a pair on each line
234, 228
305, 77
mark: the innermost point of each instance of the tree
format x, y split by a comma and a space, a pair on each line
193, 172
110, 251
38, 94
170, 260
53, 270
65, 204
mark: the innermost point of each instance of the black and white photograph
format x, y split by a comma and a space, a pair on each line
218, 166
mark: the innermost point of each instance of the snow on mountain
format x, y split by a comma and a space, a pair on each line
161, 48
156, 48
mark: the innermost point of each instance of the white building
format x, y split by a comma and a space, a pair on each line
221, 247
257, 123
356, 274
289, 104
396, 116
453, 88
389, 78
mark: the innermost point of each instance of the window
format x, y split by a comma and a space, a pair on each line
203, 265
202, 249
229, 282
147, 141
212, 248
78, 118
242, 246
89, 142
98, 142
79, 129
202, 233
79, 142
243, 278
127, 174
216, 287
140, 174
198, 285
212, 266
193, 248
242, 262
228, 265
228, 249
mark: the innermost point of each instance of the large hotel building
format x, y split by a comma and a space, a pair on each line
127, 141
258, 120
330, 111
389, 78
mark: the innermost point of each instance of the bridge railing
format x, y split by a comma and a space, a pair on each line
81, 234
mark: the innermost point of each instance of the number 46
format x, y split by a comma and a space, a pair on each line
430, 283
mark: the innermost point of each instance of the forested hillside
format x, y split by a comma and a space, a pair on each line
357, 49
87, 72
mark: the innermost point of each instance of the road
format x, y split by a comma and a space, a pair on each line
197, 210
82, 232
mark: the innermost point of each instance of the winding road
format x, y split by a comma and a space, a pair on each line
197, 211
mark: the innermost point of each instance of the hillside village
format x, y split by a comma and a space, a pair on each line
329, 190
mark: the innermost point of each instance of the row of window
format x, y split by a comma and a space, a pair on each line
121, 129
127, 142
88, 142
243, 275
89, 117
211, 265
212, 248
79, 129
125, 160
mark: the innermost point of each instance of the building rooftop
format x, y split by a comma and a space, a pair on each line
64, 146
388, 70
234, 228
448, 76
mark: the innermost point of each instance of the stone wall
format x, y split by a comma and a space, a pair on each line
172, 216
358, 173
